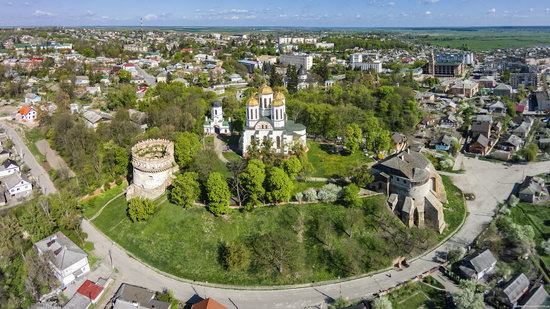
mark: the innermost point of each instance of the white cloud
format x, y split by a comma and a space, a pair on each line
391, 3
547, 10
429, 1
10, 3
492, 11
150, 17
428, 13
42, 13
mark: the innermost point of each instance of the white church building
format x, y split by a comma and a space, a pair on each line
216, 123
266, 119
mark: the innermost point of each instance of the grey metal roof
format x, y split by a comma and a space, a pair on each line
411, 165
516, 288
483, 261
12, 180
65, 253
532, 185
142, 297
537, 298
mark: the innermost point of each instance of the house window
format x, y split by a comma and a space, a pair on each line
278, 142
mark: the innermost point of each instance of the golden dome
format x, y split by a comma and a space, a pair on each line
278, 102
265, 89
279, 96
253, 101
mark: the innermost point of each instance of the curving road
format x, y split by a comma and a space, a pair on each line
490, 182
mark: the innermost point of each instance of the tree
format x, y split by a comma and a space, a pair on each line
362, 176
252, 180
186, 147
382, 303
185, 190
292, 167
237, 167
350, 196
235, 256
278, 185
115, 159
140, 209
276, 252
124, 76
530, 152
292, 76
353, 138
310, 195
468, 297
218, 194
455, 255
36, 222
40, 278
123, 97
275, 79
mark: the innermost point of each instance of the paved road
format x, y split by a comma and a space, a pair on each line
54, 160
149, 79
490, 182
36, 170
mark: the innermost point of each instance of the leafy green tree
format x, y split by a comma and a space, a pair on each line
115, 159
140, 209
456, 255
468, 297
278, 185
124, 76
253, 179
292, 167
353, 138
350, 196
235, 256
530, 152
362, 176
36, 222
185, 190
292, 76
275, 79
218, 194
123, 97
276, 252
186, 147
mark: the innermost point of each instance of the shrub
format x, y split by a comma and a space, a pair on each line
329, 193
140, 209
299, 197
310, 195
350, 196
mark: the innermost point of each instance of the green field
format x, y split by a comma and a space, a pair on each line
325, 164
487, 39
538, 216
329, 241
92, 205
417, 295
455, 209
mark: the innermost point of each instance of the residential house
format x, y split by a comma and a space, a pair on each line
513, 143
542, 99
445, 143
27, 113
466, 88
523, 129
208, 303
93, 118
497, 108
82, 81
66, 259
32, 98
481, 145
482, 126
535, 298
8, 167
399, 142
533, 190
162, 77
426, 122
449, 121
135, 297
479, 265
94, 90
503, 90
16, 185
513, 291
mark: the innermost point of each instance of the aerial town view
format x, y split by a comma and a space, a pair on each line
274, 155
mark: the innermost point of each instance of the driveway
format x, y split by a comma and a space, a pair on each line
490, 182
36, 170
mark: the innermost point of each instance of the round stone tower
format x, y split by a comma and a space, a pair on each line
153, 164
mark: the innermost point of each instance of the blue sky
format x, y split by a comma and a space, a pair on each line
343, 13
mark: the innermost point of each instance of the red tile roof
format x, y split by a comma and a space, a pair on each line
208, 303
25, 109
90, 290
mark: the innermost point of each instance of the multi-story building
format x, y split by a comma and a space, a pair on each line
446, 65
297, 60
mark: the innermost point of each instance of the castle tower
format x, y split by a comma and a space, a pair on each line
266, 98
278, 111
252, 111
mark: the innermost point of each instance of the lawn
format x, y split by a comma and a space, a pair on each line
92, 205
538, 216
325, 164
417, 295
455, 209
232, 156
187, 243
32, 137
